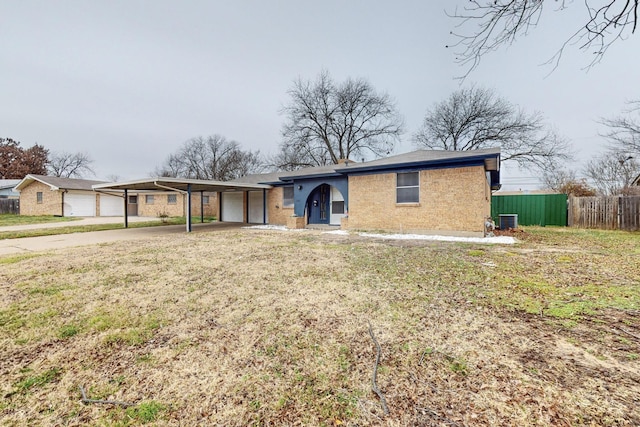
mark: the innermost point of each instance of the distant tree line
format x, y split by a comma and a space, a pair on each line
327, 121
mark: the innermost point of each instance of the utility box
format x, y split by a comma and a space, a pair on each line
508, 221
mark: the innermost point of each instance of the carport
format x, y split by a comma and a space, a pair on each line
184, 186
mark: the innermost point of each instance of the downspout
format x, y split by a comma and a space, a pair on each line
264, 205
62, 207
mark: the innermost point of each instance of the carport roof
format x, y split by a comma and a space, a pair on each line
178, 184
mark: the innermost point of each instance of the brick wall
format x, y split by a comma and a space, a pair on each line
277, 215
454, 199
51, 200
161, 205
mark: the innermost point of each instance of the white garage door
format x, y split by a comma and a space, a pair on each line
232, 206
256, 208
80, 204
111, 205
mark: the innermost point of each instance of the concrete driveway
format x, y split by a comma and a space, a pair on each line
47, 243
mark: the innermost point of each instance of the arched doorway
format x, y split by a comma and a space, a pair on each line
325, 205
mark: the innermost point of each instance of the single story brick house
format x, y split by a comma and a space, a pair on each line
424, 190
47, 195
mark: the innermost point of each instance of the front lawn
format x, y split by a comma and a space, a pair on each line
253, 327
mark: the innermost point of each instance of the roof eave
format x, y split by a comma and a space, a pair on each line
29, 179
470, 160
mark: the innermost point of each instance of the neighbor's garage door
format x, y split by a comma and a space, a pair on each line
256, 208
80, 204
232, 207
111, 205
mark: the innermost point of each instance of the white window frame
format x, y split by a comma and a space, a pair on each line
288, 203
172, 199
149, 199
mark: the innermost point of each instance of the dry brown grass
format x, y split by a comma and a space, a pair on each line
247, 327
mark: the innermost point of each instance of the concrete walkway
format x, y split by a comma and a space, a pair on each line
47, 243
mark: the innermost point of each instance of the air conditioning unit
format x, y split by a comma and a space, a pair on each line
508, 221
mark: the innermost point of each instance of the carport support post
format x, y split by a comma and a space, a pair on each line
188, 208
126, 209
202, 207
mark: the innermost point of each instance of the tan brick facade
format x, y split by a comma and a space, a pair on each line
160, 205
51, 200
278, 215
453, 199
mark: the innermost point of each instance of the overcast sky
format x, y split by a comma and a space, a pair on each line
129, 81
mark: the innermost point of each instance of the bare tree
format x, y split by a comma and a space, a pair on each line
474, 118
288, 158
565, 181
326, 122
624, 131
495, 23
68, 165
213, 158
556, 178
613, 173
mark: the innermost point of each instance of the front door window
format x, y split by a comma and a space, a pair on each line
324, 197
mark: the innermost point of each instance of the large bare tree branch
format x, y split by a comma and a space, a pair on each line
487, 25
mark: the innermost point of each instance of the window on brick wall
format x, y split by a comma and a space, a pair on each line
287, 197
39, 197
408, 187
148, 199
172, 199
205, 200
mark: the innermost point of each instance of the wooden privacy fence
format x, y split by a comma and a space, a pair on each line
9, 206
614, 212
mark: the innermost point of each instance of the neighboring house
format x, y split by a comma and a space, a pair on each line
6, 189
47, 195
424, 190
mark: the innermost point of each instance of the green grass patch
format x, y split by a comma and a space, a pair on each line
145, 412
17, 258
8, 219
83, 229
68, 331
35, 381
96, 227
11, 319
